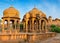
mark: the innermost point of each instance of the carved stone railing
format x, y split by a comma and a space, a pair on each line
26, 36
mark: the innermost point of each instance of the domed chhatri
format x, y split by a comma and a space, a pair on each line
35, 19
10, 18
11, 12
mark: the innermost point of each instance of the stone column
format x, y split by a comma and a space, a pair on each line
44, 26
26, 25
23, 25
3, 25
32, 24
8, 23
15, 21
18, 24
40, 25
37, 26
46, 30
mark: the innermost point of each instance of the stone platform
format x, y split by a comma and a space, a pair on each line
26, 36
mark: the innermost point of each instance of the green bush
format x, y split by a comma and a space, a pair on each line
55, 28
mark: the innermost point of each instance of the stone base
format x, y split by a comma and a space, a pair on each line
26, 36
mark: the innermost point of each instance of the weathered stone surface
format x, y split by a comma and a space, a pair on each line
26, 36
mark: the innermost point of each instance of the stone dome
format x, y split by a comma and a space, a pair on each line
35, 12
11, 12
27, 15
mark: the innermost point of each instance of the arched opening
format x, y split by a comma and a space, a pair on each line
35, 25
43, 25
5, 24
28, 26
12, 24
18, 25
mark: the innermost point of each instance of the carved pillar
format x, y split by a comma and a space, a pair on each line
46, 30
33, 24
43, 26
36, 25
3, 25
26, 25
40, 25
18, 25
8, 23
23, 25
30, 25
15, 21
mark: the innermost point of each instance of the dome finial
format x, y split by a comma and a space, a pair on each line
11, 3
11, 6
34, 6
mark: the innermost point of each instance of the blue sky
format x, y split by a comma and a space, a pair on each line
49, 7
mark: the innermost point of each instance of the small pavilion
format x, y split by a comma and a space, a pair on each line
11, 19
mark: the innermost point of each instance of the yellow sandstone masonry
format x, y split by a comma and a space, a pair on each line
35, 25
